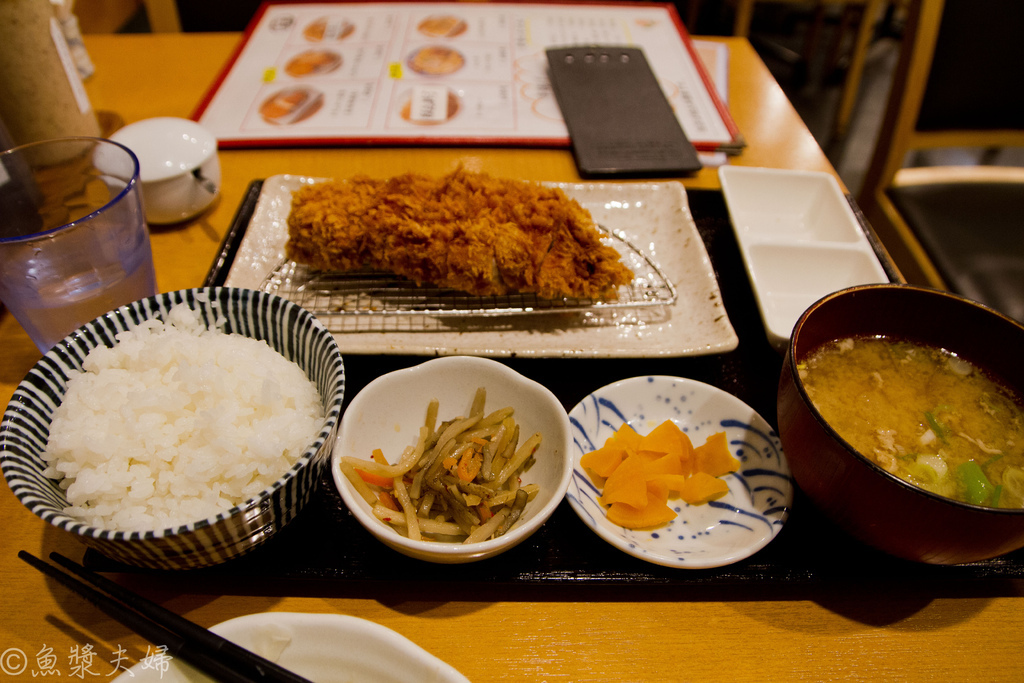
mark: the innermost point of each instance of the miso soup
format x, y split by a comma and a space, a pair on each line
923, 414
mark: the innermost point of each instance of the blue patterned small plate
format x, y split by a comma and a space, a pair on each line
719, 533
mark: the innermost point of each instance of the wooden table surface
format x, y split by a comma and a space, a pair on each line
870, 630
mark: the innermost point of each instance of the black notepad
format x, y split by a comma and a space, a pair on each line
619, 121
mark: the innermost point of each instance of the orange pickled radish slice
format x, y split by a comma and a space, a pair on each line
714, 457
657, 491
640, 518
626, 484
604, 460
703, 488
627, 437
665, 438
666, 464
673, 482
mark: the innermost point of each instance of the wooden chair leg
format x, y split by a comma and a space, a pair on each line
744, 15
846, 18
693, 8
851, 84
163, 16
814, 32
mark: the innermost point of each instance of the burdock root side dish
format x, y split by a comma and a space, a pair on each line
465, 231
458, 483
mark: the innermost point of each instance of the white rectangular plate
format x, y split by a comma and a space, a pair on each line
800, 240
654, 216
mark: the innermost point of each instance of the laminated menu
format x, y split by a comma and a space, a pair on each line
324, 73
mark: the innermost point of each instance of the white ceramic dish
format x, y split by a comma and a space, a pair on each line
655, 216
327, 648
389, 412
178, 165
702, 536
799, 238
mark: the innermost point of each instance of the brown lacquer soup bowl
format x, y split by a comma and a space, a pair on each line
859, 495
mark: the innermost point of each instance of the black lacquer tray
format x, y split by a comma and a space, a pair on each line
325, 544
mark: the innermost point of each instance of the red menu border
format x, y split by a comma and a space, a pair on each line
452, 141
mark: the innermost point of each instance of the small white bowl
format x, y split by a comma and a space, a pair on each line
178, 165
390, 410
715, 534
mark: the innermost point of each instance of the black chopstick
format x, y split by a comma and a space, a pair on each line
206, 651
223, 649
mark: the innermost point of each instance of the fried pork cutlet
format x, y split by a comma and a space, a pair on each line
466, 231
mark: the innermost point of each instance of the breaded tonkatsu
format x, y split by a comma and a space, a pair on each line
467, 231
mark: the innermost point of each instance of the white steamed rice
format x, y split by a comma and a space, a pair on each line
177, 423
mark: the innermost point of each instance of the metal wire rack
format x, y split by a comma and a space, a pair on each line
382, 294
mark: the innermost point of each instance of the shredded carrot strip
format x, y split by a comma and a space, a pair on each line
469, 465
388, 501
375, 479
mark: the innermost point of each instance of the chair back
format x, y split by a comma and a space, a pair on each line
957, 84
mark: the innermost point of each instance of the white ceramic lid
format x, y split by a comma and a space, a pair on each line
167, 146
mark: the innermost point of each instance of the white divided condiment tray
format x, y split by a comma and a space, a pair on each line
800, 240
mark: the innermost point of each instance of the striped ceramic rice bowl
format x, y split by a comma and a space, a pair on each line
286, 328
